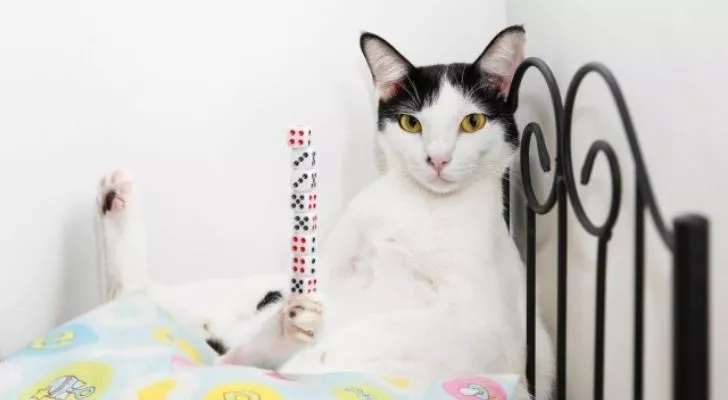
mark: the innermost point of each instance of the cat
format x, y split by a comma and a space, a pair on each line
420, 277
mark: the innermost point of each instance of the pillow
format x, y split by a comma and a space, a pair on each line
132, 349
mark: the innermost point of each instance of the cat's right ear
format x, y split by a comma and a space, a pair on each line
387, 65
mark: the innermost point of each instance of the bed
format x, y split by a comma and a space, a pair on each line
130, 348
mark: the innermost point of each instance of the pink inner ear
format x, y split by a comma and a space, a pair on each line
505, 86
387, 90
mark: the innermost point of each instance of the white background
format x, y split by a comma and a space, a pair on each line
670, 58
194, 97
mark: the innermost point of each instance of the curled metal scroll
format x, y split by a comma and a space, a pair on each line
534, 130
600, 146
643, 181
556, 196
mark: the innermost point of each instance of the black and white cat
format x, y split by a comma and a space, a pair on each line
422, 278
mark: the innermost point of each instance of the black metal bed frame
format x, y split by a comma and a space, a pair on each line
687, 241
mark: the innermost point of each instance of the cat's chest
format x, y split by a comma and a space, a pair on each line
428, 227
411, 241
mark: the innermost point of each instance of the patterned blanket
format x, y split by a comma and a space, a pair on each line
132, 349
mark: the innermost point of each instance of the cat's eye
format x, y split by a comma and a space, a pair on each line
473, 123
410, 124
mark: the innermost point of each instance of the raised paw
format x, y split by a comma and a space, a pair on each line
115, 191
301, 318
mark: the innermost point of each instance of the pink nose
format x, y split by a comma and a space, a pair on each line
438, 163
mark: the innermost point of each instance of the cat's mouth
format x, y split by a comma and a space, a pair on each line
440, 184
442, 179
306, 333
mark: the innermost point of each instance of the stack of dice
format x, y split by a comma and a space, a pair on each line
303, 203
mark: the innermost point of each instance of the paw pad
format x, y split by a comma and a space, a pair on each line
114, 191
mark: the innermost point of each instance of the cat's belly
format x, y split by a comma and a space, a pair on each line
394, 273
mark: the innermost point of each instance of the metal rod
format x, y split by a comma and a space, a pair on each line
531, 300
639, 287
690, 320
562, 288
599, 320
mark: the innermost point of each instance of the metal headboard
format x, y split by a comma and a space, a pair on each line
687, 240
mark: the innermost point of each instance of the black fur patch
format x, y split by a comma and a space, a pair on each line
269, 298
217, 345
422, 86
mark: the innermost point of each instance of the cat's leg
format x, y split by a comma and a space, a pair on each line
121, 236
418, 344
288, 328
545, 367
295, 325
545, 363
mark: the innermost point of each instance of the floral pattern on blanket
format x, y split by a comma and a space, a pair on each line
131, 349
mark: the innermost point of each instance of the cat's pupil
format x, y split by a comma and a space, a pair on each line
412, 121
473, 121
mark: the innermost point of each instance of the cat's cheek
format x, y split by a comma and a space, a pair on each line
409, 148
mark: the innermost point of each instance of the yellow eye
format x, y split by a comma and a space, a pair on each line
472, 123
410, 124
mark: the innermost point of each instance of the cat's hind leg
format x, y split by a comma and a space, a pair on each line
121, 236
288, 328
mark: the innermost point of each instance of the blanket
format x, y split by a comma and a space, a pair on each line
132, 349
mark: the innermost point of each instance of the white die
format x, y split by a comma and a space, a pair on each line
304, 180
304, 202
299, 137
304, 223
304, 284
303, 158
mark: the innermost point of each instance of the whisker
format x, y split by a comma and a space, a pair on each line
407, 90
417, 95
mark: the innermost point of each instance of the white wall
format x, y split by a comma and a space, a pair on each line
194, 97
670, 58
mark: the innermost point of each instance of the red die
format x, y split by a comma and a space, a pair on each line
303, 245
299, 137
304, 265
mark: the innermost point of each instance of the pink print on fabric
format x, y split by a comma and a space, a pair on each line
181, 362
475, 388
277, 375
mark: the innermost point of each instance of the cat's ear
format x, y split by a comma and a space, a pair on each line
387, 65
502, 56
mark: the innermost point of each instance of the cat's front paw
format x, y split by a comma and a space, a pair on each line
301, 318
115, 193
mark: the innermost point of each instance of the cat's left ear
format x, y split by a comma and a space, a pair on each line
387, 65
502, 56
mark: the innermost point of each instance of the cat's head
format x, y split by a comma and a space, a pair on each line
446, 126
